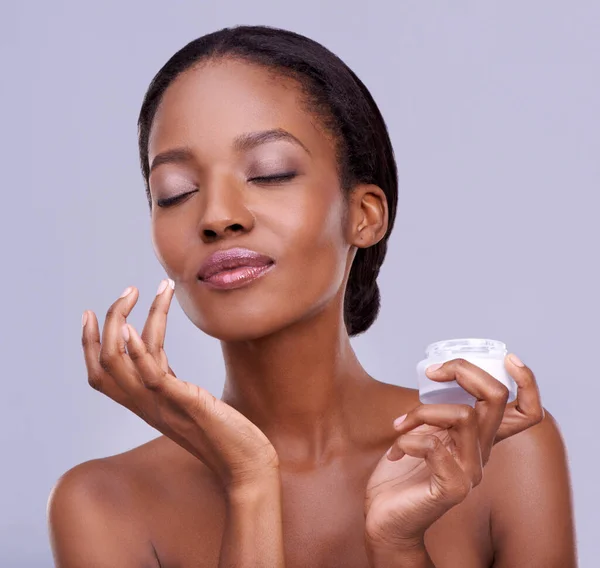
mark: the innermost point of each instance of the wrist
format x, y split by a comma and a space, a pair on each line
253, 535
409, 554
248, 491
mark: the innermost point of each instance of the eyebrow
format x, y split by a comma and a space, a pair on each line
242, 143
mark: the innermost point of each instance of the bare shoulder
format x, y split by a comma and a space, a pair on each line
91, 516
111, 510
528, 453
528, 484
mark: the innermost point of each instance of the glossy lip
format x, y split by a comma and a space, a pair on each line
234, 268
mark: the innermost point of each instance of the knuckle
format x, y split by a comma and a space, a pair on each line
106, 361
154, 384
95, 381
537, 416
149, 345
151, 385
135, 355
416, 413
433, 443
460, 363
499, 393
154, 310
111, 312
466, 414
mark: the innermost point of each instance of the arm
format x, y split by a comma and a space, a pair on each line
531, 505
413, 557
253, 535
133, 371
90, 524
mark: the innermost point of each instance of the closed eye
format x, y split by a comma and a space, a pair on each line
274, 179
167, 201
172, 200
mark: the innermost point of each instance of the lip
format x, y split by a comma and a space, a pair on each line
234, 268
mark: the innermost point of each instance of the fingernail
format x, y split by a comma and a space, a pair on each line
126, 292
172, 284
399, 420
84, 319
435, 367
162, 287
516, 360
399, 454
125, 332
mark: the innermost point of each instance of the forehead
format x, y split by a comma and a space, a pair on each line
208, 106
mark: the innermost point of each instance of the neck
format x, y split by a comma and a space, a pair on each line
302, 386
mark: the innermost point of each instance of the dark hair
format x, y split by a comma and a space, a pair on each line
346, 108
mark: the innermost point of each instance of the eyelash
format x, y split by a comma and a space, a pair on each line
172, 200
275, 179
264, 179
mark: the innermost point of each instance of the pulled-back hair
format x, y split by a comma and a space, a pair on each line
338, 98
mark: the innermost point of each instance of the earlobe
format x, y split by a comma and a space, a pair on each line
368, 215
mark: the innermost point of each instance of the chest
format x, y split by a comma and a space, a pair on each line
327, 531
323, 527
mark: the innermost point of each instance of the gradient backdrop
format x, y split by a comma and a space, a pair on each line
493, 109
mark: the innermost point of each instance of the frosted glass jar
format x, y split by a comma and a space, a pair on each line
485, 353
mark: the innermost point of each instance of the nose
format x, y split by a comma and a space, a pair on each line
225, 212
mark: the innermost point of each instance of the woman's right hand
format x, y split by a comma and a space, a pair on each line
136, 374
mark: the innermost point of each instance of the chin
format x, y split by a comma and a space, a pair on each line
241, 328
249, 320
256, 311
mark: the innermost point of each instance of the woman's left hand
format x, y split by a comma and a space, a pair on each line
434, 468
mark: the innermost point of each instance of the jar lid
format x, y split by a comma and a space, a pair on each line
471, 345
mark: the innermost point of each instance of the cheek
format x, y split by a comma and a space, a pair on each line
315, 249
303, 230
171, 247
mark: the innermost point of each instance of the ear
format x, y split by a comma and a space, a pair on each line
367, 215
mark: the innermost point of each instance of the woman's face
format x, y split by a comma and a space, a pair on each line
216, 113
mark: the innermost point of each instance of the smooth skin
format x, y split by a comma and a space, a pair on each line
476, 488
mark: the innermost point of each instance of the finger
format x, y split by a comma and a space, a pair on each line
448, 481
154, 330
527, 409
186, 398
98, 378
151, 375
460, 420
113, 356
189, 401
490, 393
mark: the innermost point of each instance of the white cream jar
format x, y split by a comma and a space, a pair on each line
485, 353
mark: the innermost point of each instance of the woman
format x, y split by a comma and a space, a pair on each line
272, 189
